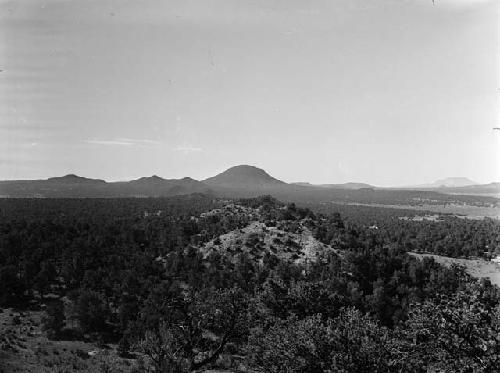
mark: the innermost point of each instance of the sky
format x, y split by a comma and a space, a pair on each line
389, 92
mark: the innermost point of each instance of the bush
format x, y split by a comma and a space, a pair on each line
53, 320
91, 312
11, 286
124, 347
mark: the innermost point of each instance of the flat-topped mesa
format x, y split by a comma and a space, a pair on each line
454, 182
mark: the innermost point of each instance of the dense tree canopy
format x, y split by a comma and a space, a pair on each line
132, 271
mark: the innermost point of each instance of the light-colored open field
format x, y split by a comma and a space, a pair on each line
465, 211
478, 268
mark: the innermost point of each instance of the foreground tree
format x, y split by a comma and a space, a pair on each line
196, 330
351, 342
460, 333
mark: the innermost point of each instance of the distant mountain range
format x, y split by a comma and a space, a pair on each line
450, 185
458, 185
238, 181
478, 189
454, 182
77, 186
449, 182
338, 186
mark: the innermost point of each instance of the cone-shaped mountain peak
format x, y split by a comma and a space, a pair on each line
243, 176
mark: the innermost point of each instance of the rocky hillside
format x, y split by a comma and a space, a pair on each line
287, 241
267, 234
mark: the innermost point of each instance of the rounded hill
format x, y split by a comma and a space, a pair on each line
243, 176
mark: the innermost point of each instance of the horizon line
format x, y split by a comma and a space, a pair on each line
405, 186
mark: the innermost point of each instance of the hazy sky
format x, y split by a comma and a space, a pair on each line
390, 92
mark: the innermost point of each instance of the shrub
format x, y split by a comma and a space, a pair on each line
91, 312
53, 320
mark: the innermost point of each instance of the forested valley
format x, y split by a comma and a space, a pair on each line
144, 280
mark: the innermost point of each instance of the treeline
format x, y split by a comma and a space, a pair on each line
449, 235
131, 274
